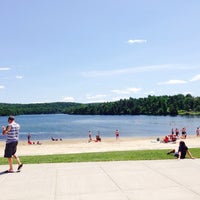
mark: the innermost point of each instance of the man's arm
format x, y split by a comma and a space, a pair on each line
5, 130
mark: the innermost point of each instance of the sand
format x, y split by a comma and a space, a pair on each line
68, 146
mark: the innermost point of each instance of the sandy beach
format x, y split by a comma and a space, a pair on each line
68, 146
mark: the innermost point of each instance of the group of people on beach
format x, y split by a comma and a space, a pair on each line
174, 135
182, 149
12, 132
32, 142
98, 138
38, 142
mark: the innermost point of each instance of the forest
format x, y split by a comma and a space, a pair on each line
152, 105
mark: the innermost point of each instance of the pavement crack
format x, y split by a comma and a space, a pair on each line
172, 179
114, 182
55, 185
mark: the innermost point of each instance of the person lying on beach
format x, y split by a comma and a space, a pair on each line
173, 137
165, 139
56, 139
182, 151
169, 138
38, 142
29, 142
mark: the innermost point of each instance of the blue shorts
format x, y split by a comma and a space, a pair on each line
176, 154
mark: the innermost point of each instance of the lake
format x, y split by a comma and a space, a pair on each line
43, 127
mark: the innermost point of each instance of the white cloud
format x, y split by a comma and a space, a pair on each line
137, 41
120, 97
150, 93
68, 99
132, 70
172, 82
19, 77
187, 92
98, 96
126, 91
2, 86
195, 78
95, 98
4, 68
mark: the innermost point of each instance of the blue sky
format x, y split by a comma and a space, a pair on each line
98, 50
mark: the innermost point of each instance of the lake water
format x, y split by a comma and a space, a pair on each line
43, 127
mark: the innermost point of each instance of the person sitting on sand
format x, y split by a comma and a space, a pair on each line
98, 138
172, 137
165, 139
169, 138
39, 143
182, 151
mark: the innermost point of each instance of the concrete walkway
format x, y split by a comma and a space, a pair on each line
132, 180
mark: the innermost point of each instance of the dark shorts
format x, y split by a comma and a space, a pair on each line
10, 149
177, 155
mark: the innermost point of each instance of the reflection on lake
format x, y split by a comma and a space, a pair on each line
43, 127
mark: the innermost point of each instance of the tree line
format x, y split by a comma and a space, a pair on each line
151, 105
35, 108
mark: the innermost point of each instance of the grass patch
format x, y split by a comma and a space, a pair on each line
101, 156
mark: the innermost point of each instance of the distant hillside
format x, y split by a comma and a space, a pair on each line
35, 108
151, 105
